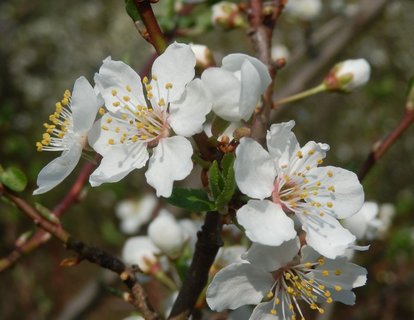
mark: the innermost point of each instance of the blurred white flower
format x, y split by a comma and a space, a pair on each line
71, 122
277, 278
226, 15
304, 9
348, 75
204, 56
280, 51
134, 213
236, 87
141, 251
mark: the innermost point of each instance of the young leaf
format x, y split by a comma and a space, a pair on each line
191, 199
214, 179
227, 163
14, 179
229, 183
132, 10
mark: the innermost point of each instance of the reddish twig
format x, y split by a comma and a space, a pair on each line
137, 295
381, 147
41, 236
155, 35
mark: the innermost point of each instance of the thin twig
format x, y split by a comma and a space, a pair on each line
381, 147
137, 297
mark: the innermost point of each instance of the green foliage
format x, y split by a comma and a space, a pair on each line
13, 178
191, 199
222, 183
132, 10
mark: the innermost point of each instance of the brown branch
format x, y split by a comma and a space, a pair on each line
381, 147
92, 254
208, 243
41, 236
155, 35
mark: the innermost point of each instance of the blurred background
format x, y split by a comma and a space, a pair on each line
46, 45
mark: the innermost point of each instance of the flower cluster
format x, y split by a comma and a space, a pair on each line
150, 121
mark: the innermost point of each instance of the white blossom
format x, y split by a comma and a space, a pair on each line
141, 251
277, 278
236, 87
134, 213
280, 51
203, 55
348, 75
287, 181
226, 15
304, 9
135, 121
70, 123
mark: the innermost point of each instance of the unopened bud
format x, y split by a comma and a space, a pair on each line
204, 56
227, 15
348, 75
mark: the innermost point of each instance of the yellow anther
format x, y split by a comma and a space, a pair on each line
46, 136
330, 174
331, 188
65, 101
311, 152
308, 168
287, 276
109, 120
308, 265
321, 261
145, 80
319, 161
270, 294
144, 137
123, 116
318, 204
327, 293
117, 129
128, 88
101, 111
329, 204
168, 85
289, 290
321, 286
149, 95
148, 87
39, 146
321, 310
273, 311
290, 306
67, 93
338, 288
122, 139
134, 138
277, 301
338, 272
58, 107
116, 104
154, 77
161, 103
114, 92
111, 141
325, 273
126, 98
329, 300
318, 184
104, 128
293, 317
61, 135
305, 180
299, 154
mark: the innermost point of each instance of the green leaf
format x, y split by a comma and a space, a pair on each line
227, 163
14, 179
214, 180
229, 183
191, 199
132, 10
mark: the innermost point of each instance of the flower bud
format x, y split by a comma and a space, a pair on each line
204, 56
227, 15
142, 252
304, 9
348, 75
167, 234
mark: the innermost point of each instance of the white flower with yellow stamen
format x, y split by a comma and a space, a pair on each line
70, 123
290, 177
279, 279
146, 113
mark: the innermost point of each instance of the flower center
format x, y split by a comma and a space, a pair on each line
59, 134
138, 122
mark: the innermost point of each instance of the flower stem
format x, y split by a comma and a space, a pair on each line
301, 95
148, 18
164, 279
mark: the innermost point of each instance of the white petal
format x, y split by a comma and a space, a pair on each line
84, 105
343, 296
348, 197
166, 234
170, 161
250, 90
282, 141
265, 222
224, 89
341, 272
236, 285
234, 62
175, 66
188, 114
98, 138
262, 312
117, 75
326, 235
58, 169
254, 170
308, 254
272, 258
118, 161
